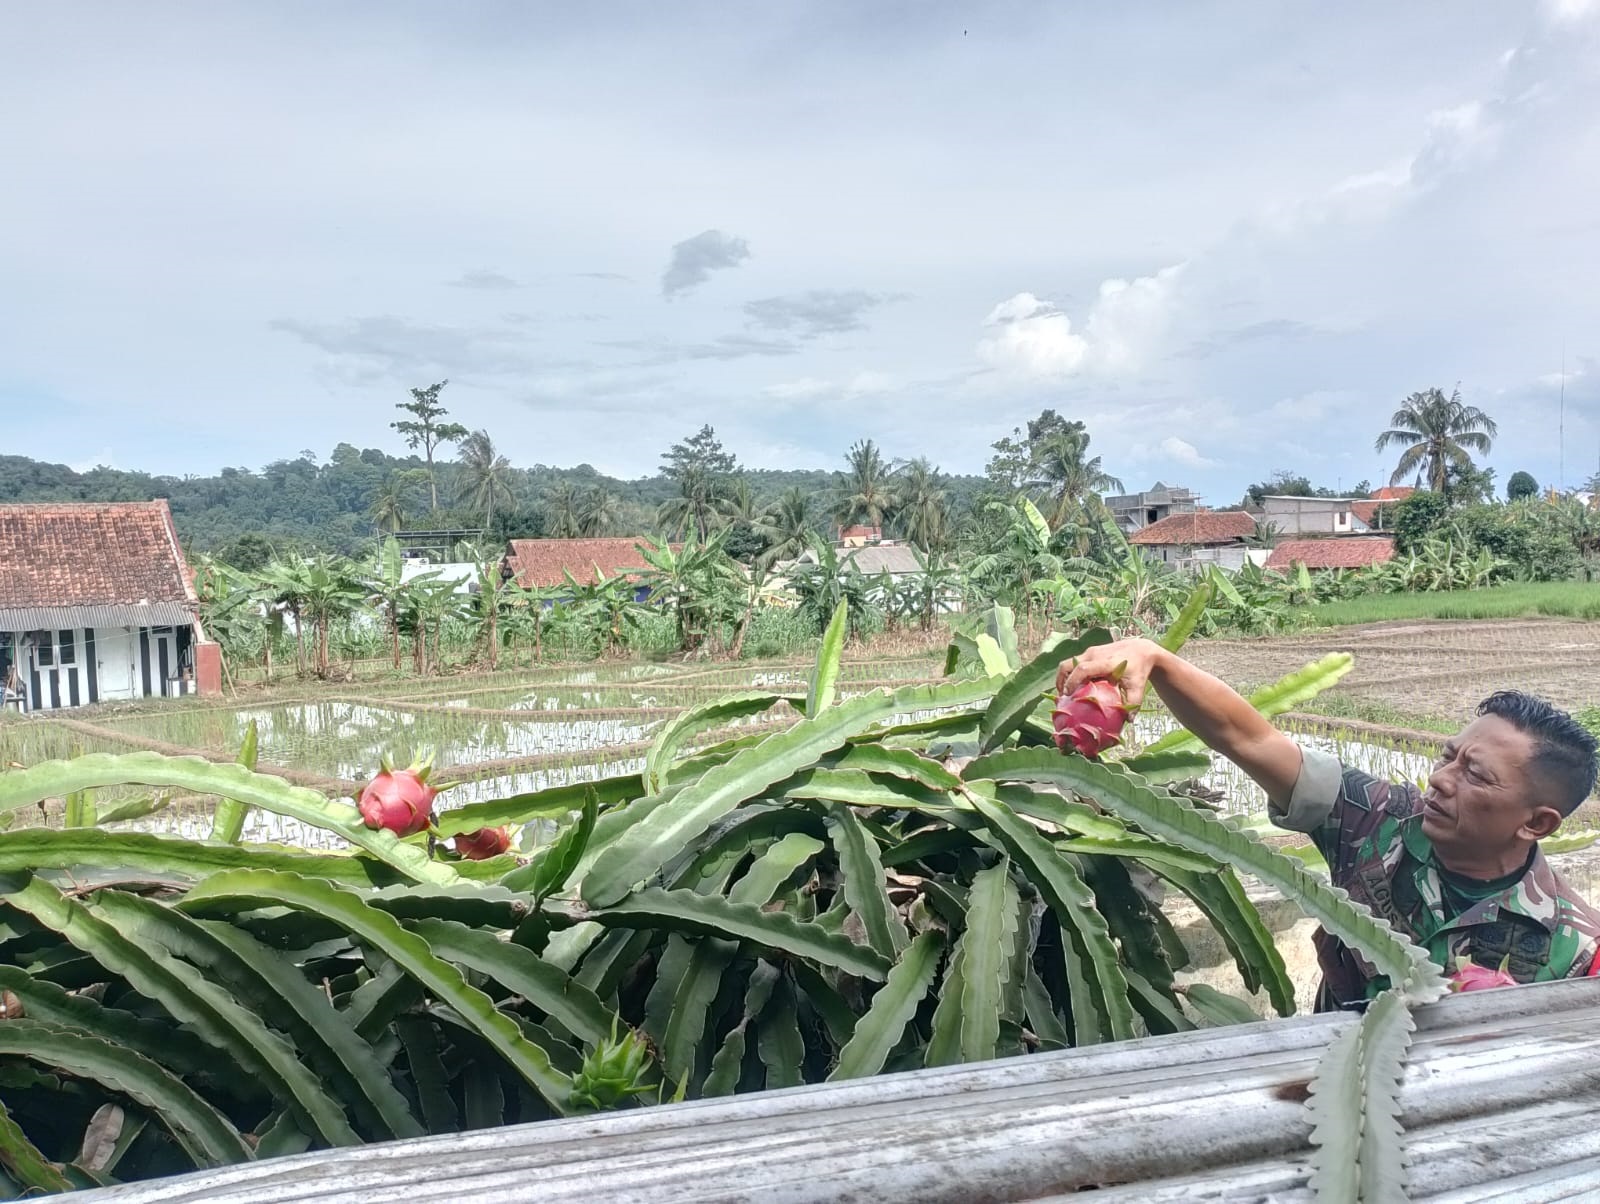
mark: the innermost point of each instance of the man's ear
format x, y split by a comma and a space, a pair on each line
1541, 822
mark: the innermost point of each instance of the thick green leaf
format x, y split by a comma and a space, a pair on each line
1218, 1007
1188, 619
227, 821
430, 1079
893, 1006
696, 989
147, 853
1334, 1109
177, 1049
944, 1039
23, 1161
1283, 695
860, 789
1057, 878
990, 655
986, 943
1162, 1016
689, 912
1001, 626
697, 719
641, 849
226, 891
79, 811
554, 802
1173, 820
52, 779
895, 762
1222, 900
1386, 1030
1169, 766
862, 873
728, 1062
550, 871
517, 969
189, 996
778, 1041
825, 678
1041, 1012
204, 1133
1015, 700
270, 983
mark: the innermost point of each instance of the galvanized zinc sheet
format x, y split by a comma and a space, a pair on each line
55, 618
1501, 1101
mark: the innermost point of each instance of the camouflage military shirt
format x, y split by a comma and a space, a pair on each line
1370, 832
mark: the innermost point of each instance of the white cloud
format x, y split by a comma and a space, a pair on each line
1566, 12
1184, 453
1033, 339
104, 458
810, 388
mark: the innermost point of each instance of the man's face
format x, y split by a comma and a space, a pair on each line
1481, 791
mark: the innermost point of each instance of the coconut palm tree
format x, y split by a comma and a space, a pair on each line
1437, 433
485, 475
1070, 479
696, 508
599, 512
920, 505
562, 509
866, 489
786, 527
391, 500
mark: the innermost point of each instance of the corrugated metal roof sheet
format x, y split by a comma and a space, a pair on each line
1498, 1102
53, 618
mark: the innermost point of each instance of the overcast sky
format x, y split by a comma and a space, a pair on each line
1229, 236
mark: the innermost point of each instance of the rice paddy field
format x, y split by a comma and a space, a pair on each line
498, 734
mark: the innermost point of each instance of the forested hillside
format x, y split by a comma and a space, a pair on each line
343, 502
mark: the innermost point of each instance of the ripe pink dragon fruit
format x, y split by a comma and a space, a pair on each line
399, 800
483, 844
1091, 719
1469, 976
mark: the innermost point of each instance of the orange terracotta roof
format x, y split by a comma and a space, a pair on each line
1196, 529
1338, 553
91, 554
1392, 493
538, 563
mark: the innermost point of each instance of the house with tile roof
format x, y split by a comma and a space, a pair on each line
97, 604
544, 563
1135, 511
1197, 539
1352, 552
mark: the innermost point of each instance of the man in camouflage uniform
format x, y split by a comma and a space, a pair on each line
1456, 867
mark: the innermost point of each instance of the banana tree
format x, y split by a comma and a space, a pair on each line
391, 592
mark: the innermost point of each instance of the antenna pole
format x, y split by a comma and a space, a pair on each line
1561, 482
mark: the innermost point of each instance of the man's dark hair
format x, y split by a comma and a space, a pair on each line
1564, 751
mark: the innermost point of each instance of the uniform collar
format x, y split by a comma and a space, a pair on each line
1533, 896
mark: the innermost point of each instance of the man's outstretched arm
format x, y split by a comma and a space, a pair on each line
1209, 708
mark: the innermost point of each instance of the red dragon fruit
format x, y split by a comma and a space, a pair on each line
399, 800
483, 844
1091, 718
1469, 976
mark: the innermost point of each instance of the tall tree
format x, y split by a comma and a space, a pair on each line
785, 527
485, 476
866, 487
1521, 485
1070, 478
702, 469
921, 508
423, 429
599, 512
563, 504
1016, 457
1437, 433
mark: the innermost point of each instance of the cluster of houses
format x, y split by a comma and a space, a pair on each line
98, 604
1168, 524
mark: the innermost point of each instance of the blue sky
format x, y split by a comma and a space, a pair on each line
1228, 236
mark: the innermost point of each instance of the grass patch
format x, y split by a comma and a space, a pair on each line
1341, 706
1556, 599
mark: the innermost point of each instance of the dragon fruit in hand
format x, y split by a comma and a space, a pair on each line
1469, 976
483, 844
399, 800
1091, 718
